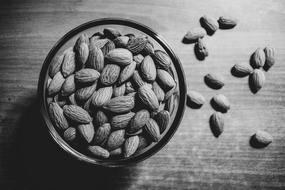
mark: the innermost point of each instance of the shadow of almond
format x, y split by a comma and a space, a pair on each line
192, 104
251, 85
198, 55
41, 163
255, 144
216, 107
209, 32
187, 41
235, 73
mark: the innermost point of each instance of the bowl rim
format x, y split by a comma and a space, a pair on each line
181, 82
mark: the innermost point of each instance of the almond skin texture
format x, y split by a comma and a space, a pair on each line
129, 87
101, 134
131, 145
119, 90
68, 64
120, 56
269, 58
55, 65
143, 142
256, 80
121, 41
57, 117
102, 96
76, 114
258, 58
99, 151
68, 87
81, 54
148, 97
138, 59
261, 139
85, 93
137, 44
108, 47
72, 99
116, 139
158, 91
226, 22
214, 81
242, 70
152, 130
195, 99
148, 49
138, 81
69, 134
210, 24
217, 124
162, 119
161, 59
86, 131
138, 121
100, 118
110, 74
83, 38
111, 33
127, 72
121, 121
194, 34
86, 75
55, 84
96, 58
165, 79
120, 104
148, 69
220, 103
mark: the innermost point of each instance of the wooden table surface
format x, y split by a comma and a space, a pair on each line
194, 158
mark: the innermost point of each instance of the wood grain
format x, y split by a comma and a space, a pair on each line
194, 158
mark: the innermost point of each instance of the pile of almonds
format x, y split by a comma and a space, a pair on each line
108, 95
261, 58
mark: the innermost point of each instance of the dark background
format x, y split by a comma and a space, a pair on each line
194, 158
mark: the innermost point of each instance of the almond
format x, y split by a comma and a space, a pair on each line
194, 34
55, 65
102, 96
217, 124
221, 103
214, 81
68, 64
85, 93
148, 97
116, 152
261, 139
201, 50
162, 119
100, 118
131, 145
71, 99
137, 44
161, 59
86, 75
129, 87
108, 47
256, 80
111, 33
68, 87
226, 22
121, 121
56, 84
81, 54
269, 57
152, 130
138, 81
116, 139
87, 105
120, 56
148, 49
158, 91
138, 59
96, 58
69, 134
86, 131
119, 90
100, 43
210, 24
101, 134
110, 74
99, 151
76, 114
242, 69
258, 58
121, 41
143, 142
83, 38
120, 104
127, 72
57, 117
170, 92
148, 69
195, 99
165, 79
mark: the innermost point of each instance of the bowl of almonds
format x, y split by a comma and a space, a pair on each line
112, 92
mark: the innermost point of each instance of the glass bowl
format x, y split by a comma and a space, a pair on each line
175, 104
